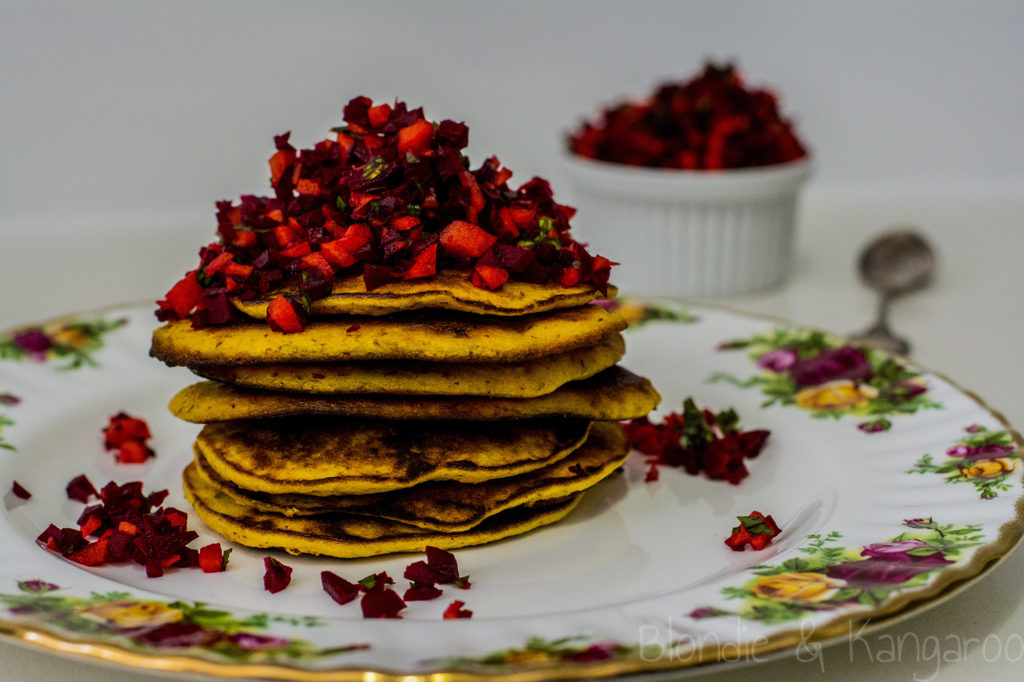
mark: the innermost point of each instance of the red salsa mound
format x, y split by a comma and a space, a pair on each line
709, 122
391, 197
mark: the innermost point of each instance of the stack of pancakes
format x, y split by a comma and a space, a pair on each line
427, 412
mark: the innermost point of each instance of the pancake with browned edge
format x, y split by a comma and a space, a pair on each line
447, 290
447, 506
347, 535
333, 456
612, 395
432, 337
526, 379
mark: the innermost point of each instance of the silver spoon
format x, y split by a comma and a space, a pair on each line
896, 263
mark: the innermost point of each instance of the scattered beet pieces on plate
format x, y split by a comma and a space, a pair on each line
127, 435
126, 525
755, 530
710, 122
697, 441
380, 600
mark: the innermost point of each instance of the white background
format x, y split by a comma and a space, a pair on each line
121, 123
162, 108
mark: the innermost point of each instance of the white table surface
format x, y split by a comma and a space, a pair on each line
969, 326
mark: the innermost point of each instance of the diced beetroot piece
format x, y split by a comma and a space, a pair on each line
466, 240
93, 554
375, 580
422, 592
20, 491
415, 138
81, 489
211, 558
339, 589
424, 265
378, 115
455, 610
375, 276
652, 474
282, 316
277, 575
381, 602
184, 295
489, 277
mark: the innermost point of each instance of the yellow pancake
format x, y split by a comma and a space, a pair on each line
448, 290
358, 457
451, 507
612, 395
435, 337
345, 535
526, 379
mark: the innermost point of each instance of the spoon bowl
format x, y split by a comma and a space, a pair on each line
895, 263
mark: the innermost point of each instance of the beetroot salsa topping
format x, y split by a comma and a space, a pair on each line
707, 123
391, 197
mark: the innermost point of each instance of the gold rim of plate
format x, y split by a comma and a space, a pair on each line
901, 607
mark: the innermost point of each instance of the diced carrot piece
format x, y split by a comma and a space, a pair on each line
523, 217
297, 250
244, 238
310, 187
424, 265
126, 527
276, 215
569, 277
282, 316
93, 554
184, 295
490, 277
238, 270
379, 114
466, 240
133, 452
279, 163
416, 137
356, 236
405, 222
508, 224
317, 261
90, 526
284, 235
336, 254
218, 263
211, 558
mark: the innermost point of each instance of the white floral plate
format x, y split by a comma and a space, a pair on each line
893, 487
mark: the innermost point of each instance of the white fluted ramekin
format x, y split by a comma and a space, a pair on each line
689, 233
